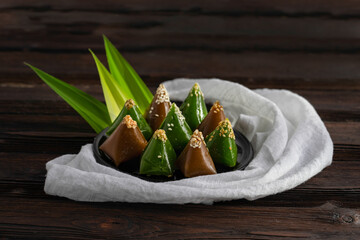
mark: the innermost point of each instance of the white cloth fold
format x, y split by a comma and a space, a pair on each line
290, 142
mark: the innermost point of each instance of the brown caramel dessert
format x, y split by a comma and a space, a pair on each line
212, 120
195, 159
159, 108
125, 143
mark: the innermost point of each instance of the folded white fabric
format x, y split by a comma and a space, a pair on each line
290, 142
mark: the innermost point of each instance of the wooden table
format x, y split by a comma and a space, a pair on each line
309, 47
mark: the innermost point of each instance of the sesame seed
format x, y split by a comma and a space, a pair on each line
129, 104
179, 114
161, 95
188, 104
160, 134
130, 123
230, 148
170, 129
224, 127
156, 115
159, 156
196, 139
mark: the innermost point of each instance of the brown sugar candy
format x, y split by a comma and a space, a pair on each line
159, 108
195, 159
212, 120
125, 143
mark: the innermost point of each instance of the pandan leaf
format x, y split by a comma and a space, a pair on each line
127, 78
91, 109
114, 96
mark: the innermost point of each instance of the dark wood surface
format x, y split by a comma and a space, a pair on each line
309, 47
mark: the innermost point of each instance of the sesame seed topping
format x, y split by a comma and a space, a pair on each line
130, 123
129, 104
168, 125
230, 148
196, 139
225, 129
178, 114
170, 129
217, 107
159, 156
196, 90
160, 134
188, 104
161, 95
156, 115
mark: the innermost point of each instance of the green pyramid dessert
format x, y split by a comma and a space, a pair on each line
159, 156
130, 108
194, 108
221, 144
176, 128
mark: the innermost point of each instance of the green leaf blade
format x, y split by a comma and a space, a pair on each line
91, 109
114, 96
127, 77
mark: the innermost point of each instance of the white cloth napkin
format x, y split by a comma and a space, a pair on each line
290, 142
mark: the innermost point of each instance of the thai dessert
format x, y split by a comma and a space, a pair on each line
195, 159
159, 108
125, 143
194, 108
212, 120
176, 128
159, 156
174, 146
130, 108
221, 144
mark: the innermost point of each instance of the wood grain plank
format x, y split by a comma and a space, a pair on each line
72, 30
322, 71
261, 7
134, 221
298, 197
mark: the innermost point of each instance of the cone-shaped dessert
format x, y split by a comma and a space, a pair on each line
159, 108
159, 156
195, 159
177, 129
212, 120
194, 108
130, 108
221, 144
125, 143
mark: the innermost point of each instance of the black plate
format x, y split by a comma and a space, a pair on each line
245, 155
